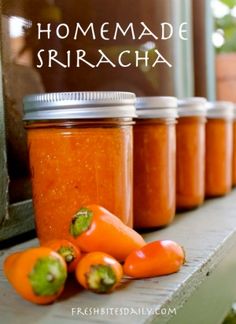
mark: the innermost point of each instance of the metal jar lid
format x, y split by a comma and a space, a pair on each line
156, 107
192, 107
79, 105
220, 109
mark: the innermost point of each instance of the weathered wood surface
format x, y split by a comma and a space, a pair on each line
209, 237
19, 221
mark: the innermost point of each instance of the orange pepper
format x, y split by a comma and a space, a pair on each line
99, 272
9, 262
155, 259
70, 253
95, 229
37, 274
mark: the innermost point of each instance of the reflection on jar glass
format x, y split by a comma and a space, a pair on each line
80, 147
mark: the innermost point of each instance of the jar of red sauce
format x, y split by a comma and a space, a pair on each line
81, 152
219, 148
234, 148
190, 161
154, 161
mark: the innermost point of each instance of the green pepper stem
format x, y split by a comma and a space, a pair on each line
48, 276
81, 221
101, 278
67, 253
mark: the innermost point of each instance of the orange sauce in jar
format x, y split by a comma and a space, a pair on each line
79, 162
190, 156
154, 162
234, 155
190, 173
219, 149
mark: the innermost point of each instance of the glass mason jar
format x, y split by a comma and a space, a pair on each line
219, 148
234, 149
154, 161
80, 149
190, 156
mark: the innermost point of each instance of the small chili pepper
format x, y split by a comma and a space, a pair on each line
37, 274
96, 229
99, 272
155, 259
9, 262
70, 253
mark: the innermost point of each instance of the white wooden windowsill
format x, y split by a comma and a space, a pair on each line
201, 292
